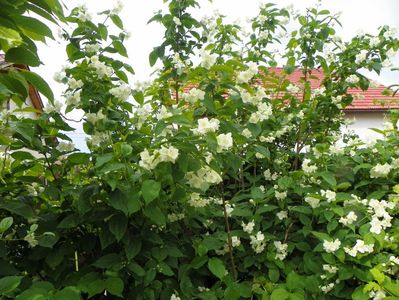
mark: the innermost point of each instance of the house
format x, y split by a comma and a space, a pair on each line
368, 109
33, 100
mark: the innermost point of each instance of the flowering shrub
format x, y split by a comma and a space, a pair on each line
220, 180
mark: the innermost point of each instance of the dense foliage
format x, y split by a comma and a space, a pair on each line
219, 180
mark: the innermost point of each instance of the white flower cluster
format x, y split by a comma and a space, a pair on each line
224, 141
253, 99
117, 8
34, 189
380, 171
269, 176
307, 168
331, 246
281, 250
98, 138
174, 217
163, 113
207, 59
142, 113
282, 215
247, 133
92, 48
374, 41
280, 195
83, 14
360, 247
352, 79
101, 68
235, 241
95, 117
74, 84
361, 56
293, 89
248, 228
73, 98
312, 201
165, 154
327, 288
349, 219
177, 21
330, 269
205, 125
197, 201
122, 92
247, 75
175, 297
65, 147
53, 107
258, 242
264, 113
194, 95
378, 295
390, 33
203, 178
380, 219
329, 195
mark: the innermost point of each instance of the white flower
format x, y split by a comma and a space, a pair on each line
258, 242
56, 107
280, 195
148, 161
205, 125
75, 84
374, 41
203, 178
169, 154
330, 269
73, 99
83, 15
248, 228
246, 133
95, 117
117, 8
360, 247
352, 79
282, 215
380, 170
163, 113
293, 89
379, 295
225, 141
197, 201
235, 241
65, 147
394, 259
361, 56
174, 297
331, 246
208, 59
349, 219
390, 33
313, 202
329, 195
281, 250
92, 48
327, 288
59, 76
177, 21
194, 95
122, 92
101, 68
307, 168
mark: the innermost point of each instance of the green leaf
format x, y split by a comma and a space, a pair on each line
120, 48
114, 285
150, 190
274, 274
9, 284
156, 215
329, 178
11, 38
153, 57
165, 269
18, 208
40, 84
22, 55
67, 293
33, 28
358, 294
378, 275
103, 31
117, 226
5, 224
279, 294
216, 266
117, 21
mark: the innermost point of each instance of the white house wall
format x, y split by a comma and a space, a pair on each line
363, 121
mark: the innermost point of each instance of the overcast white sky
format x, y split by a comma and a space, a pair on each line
365, 15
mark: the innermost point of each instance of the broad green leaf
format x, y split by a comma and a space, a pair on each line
150, 190
279, 294
67, 293
120, 48
114, 285
40, 84
329, 178
11, 37
9, 284
117, 226
5, 224
33, 28
23, 55
216, 266
117, 21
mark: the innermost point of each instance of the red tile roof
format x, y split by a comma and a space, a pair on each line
370, 100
